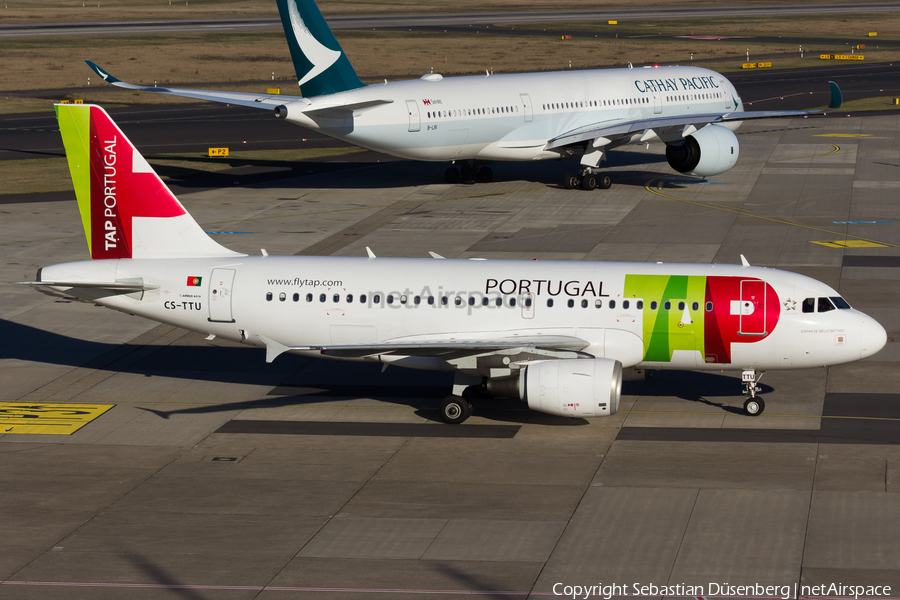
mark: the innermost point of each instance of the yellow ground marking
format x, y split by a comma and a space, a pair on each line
848, 244
842, 135
47, 419
746, 213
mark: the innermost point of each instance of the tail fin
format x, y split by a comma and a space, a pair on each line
126, 209
321, 65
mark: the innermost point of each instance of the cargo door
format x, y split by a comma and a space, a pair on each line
220, 289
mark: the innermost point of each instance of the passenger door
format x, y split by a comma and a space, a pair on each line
220, 288
415, 123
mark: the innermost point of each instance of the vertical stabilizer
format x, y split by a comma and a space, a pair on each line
126, 209
321, 65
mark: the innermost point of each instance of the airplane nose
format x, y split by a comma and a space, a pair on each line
873, 337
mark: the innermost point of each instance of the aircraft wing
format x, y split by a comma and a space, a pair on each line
434, 349
615, 130
265, 101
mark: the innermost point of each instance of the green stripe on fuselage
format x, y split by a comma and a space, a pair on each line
668, 330
75, 127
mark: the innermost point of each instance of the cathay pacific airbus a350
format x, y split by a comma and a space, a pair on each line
471, 121
553, 334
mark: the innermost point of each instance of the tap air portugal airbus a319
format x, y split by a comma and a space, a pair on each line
471, 121
553, 334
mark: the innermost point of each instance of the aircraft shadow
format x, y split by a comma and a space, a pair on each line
296, 380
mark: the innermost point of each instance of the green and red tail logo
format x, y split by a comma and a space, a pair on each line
113, 183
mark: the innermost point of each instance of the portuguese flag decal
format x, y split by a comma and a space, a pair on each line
194, 281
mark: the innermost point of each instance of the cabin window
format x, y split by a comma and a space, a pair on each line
598, 303
457, 301
667, 305
417, 300
499, 301
336, 298
809, 305
296, 297
825, 305
549, 302
653, 305
322, 297
403, 299
268, 296
512, 301
527, 302
485, 301
695, 306
612, 303
640, 304
840, 302
349, 298
390, 299
282, 297
471, 300
570, 303
709, 306
309, 297
376, 299
431, 300
444, 300
625, 304
681, 306
584, 304
362, 298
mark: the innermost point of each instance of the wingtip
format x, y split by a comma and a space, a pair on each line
103, 74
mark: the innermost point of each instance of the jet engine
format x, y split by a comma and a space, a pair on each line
709, 151
580, 387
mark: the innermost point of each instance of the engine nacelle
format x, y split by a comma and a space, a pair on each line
709, 151
573, 388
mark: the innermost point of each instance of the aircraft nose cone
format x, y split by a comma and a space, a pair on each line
873, 337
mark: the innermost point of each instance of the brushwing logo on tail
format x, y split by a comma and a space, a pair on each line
320, 56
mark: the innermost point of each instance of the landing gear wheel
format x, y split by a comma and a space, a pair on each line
589, 182
570, 181
754, 407
455, 409
485, 175
604, 181
451, 175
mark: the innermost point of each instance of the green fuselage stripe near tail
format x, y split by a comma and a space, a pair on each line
666, 331
75, 127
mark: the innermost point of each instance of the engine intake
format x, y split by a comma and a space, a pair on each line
711, 150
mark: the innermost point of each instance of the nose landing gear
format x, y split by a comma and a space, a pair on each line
753, 406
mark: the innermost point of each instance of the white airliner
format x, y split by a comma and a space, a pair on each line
553, 334
475, 120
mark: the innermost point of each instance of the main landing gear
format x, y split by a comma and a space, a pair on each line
456, 409
753, 406
468, 174
587, 180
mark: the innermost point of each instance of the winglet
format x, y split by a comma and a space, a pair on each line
434, 254
836, 97
744, 261
103, 74
370, 253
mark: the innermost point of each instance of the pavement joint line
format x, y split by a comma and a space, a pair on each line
773, 220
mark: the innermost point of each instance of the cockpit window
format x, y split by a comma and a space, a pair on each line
825, 305
840, 302
809, 305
